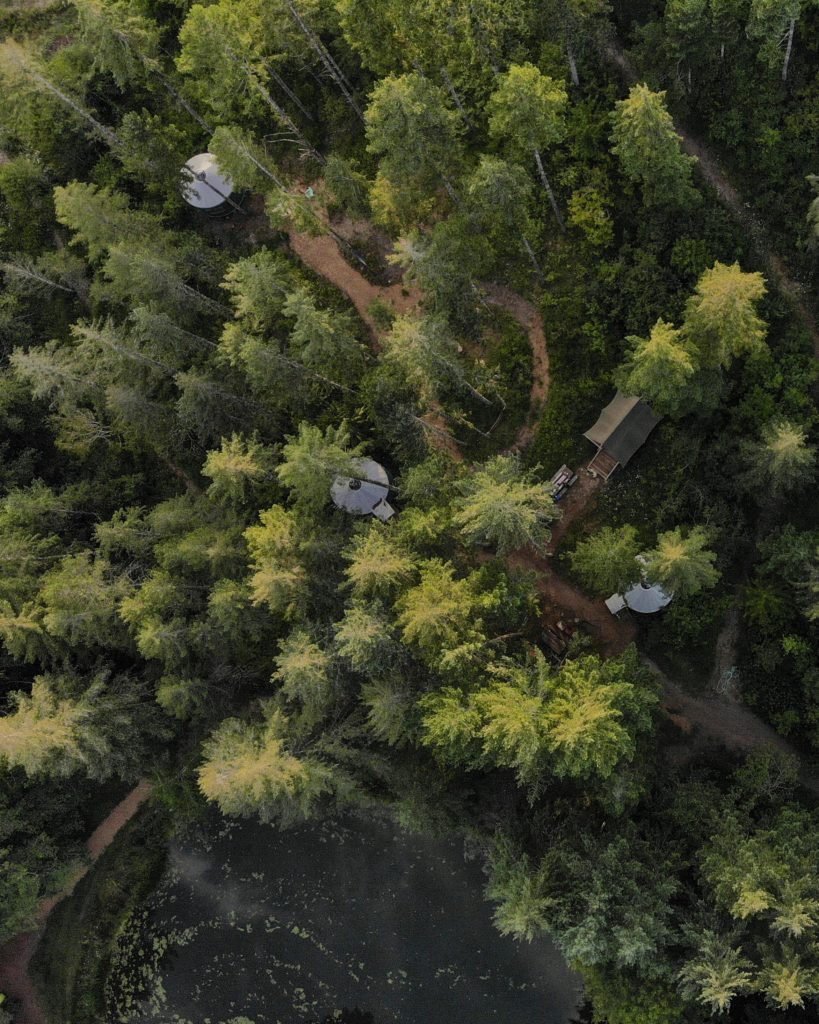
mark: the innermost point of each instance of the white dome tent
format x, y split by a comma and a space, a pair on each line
204, 186
364, 494
644, 597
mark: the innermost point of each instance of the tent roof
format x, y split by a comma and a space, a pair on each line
623, 426
204, 185
646, 598
361, 494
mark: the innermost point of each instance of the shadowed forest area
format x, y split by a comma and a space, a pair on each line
408, 420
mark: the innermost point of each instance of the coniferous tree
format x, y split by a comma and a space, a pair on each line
681, 562
781, 461
648, 148
504, 507
312, 459
527, 113
417, 138
659, 369
606, 561
720, 317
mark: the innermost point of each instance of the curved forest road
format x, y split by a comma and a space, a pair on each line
17, 953
720, 718
714, 176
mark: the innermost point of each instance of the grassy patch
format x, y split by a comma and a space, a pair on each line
504, 361
72, 960
579, 368
682, 639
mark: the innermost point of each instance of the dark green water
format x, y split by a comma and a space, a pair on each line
285, 928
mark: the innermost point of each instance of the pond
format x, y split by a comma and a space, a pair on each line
295, 926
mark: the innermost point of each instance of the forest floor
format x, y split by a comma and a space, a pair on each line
16, 955
715, 176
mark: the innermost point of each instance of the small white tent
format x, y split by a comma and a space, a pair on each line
644, 597
365, 493
204, 186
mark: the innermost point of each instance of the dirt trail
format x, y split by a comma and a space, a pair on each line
17, 953
713, 174
724, 720
322, 254
574, 505
560, 597
725, 649
529, 318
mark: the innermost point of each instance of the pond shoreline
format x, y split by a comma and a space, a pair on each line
17, 954
293, 926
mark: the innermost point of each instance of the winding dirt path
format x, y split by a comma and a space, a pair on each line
322, 254
16, 954
561, 599
527, 315
725, 721
714, 176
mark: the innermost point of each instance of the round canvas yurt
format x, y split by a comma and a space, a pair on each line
646, 598
365, 493
205, 187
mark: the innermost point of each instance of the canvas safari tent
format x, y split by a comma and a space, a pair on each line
620, 430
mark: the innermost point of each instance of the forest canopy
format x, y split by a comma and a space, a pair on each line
441, 237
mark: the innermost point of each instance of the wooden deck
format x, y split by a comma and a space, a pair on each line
603, 464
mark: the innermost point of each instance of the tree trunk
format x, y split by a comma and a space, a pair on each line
110, 136
280, 357
191, 177
572, 64
180, 99
285, 88
530, 252
326, 59
281, 114
288, 123
450, 190
549, 192
456, 99
264, 170
151, 67
788, 49
18, 269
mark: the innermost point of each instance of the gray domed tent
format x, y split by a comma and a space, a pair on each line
644, 597
365, 493
205, 187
